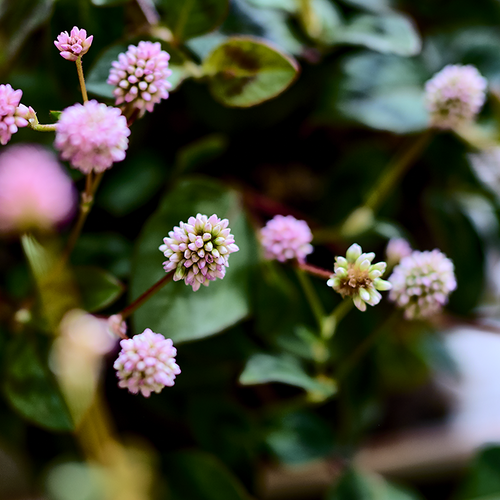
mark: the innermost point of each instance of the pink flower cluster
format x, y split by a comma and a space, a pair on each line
146, 363
92, 136
74, 44
421, 283
285, 238
35, 192
12, 114
397, 248
199, 250
140, 76
455, 95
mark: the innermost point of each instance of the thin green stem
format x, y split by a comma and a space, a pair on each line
42, 128
396, 169
365, 345
81, 78
331, 322
146, 295
311, 295
87, 200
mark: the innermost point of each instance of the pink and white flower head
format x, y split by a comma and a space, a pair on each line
397, 248
286, 238
92, 136
355, 276
35, 192
12, 113
455, 95
422, 282
140, 77
73, 45
199, 250
146, 363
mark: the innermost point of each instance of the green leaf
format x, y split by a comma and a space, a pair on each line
300, 437
98, 288
200, 152
245, 71
322, 21
383, 92
199, 475
389, 33
191, 18
18, 20
356, 485
483, 478
176, 310
31, 389
132, 184
99, 72
265, 368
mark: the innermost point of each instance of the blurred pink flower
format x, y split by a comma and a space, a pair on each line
146, 363
455, 95
92, 136
74, 44
35, 192
140, 76
397, 248
12, 114
422, 282
285, 238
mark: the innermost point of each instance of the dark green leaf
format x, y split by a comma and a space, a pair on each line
131, 185
300, 437
354, 485
200, 152
18, 20
389, 33
244, 72
191, 18
200, 476
55, 114
98, 288
383, 92
31, 389
177, 311
371, 5
483, 478
264, 368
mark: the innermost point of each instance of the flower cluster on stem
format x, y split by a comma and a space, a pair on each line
199, 250
73, 45
146, 363
355, 276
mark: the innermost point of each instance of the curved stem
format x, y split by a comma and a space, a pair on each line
365, 345
331, 322
81, 78
315, 271
42, 128
311, 295
146, 295
396, 169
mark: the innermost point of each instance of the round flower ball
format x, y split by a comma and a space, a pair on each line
35, 192
422, 282
140, 77
92, 136
286, 238
146, 363
198, 251
455, 95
